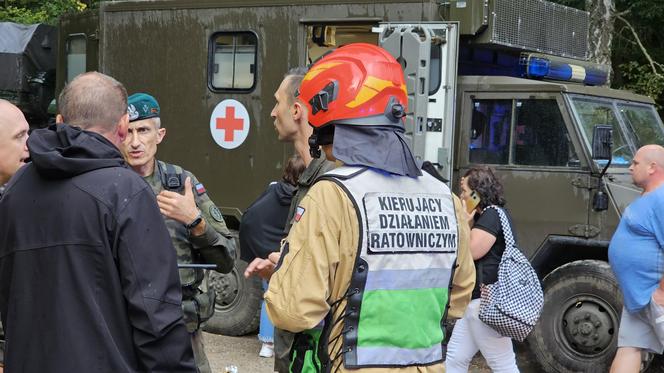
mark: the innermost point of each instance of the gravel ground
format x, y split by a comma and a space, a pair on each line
243, 353
239, 351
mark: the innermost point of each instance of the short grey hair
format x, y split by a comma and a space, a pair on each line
293, 79
93, 100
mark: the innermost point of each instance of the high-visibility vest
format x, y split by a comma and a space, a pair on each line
399, 290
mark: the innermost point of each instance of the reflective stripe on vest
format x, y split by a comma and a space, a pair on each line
400, 284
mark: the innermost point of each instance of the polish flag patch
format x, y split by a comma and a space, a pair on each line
200, 189
299, 213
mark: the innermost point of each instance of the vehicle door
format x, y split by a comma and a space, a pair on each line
428, 54
527, 138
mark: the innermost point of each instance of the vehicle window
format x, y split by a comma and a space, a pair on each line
490, 131
435, 75
540, 135
644, 122
76, 55
233, 61
590, 113
324, 37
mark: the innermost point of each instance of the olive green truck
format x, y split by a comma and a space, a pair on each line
28, 65
504, 83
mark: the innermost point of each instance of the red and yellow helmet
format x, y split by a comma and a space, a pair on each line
357, 84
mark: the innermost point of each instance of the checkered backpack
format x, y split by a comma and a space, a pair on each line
512, 305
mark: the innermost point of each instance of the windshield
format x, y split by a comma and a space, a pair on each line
590, 112
643, 122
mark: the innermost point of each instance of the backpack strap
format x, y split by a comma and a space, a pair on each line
171, 178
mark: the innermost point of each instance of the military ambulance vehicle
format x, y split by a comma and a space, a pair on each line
504, 83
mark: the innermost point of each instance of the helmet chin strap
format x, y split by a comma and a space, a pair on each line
314, 149
321, 136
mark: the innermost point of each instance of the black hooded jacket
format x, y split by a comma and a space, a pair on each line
88, 274
262, 226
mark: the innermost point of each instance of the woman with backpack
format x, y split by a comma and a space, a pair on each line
480, 189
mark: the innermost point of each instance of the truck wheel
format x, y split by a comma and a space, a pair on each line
238, 304
578, 328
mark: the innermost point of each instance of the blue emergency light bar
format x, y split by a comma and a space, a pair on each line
546, 68
474, 60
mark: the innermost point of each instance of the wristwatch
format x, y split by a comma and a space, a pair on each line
195, 222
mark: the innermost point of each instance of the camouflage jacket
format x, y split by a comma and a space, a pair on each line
187, 247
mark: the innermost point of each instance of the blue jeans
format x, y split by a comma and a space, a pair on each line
266, 329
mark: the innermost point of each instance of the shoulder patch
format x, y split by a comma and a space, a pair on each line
200, 189
216, 214
299, 213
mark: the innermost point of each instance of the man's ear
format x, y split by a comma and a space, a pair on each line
59, 119
652, 168
298, 110
161, 133
123, 126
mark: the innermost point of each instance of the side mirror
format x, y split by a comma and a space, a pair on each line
602, 142
600, 201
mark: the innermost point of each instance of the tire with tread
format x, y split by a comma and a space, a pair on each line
578, 328
238, 305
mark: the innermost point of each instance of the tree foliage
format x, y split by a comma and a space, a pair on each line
638, 47
637, 61
38, 11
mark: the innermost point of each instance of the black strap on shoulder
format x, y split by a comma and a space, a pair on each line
171, 179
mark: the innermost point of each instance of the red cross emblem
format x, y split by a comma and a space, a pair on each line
230, 124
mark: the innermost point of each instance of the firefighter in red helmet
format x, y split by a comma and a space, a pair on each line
376, 259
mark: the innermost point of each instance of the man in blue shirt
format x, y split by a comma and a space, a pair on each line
636, 255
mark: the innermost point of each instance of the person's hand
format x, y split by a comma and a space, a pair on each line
468, 217
176, 206
262, 268
658, 296
274, 257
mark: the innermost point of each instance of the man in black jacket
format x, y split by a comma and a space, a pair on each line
88, 274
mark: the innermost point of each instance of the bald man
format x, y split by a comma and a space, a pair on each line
13, 140
636, 255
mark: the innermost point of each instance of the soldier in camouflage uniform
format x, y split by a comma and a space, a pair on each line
196, 226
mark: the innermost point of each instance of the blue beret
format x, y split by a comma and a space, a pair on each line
142, 106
